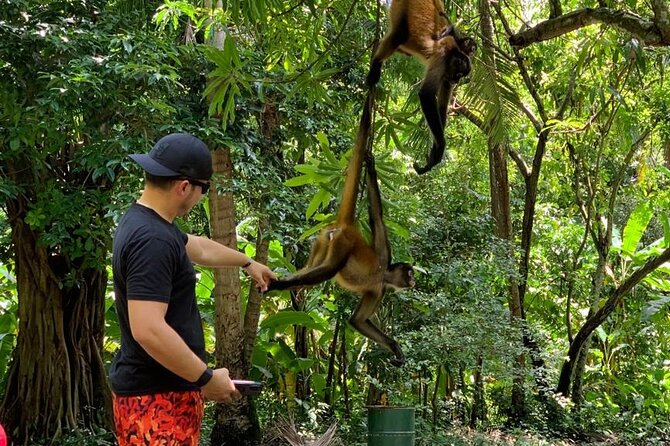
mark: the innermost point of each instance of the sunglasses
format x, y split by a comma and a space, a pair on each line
203, 186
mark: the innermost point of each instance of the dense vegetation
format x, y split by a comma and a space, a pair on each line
542, 243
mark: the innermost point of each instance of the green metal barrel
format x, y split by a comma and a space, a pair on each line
390, 426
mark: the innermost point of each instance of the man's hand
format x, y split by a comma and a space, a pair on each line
220, 388
261, 274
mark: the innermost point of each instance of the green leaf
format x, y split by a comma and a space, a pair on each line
635, 227
279, 321
299, 181
665, 222
320, 198
653, 307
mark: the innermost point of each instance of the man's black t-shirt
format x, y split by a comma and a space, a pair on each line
149, 262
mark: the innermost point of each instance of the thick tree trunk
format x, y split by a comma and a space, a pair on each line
56, 381
235, 424
501, 211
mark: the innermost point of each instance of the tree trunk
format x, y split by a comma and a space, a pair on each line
57, 381
332, 358
344, 377
478, 403
300, 344
501, 212
578, 372
235, 424
253, 310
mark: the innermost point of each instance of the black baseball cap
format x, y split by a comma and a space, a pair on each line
177, 155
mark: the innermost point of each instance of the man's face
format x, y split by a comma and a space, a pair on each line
193, 193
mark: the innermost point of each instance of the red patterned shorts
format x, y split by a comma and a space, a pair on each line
160, 419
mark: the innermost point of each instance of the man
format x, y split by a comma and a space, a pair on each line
159, 376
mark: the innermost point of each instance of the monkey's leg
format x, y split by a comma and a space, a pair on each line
318, 253
305, 277
444, 97
397, 34
360, 320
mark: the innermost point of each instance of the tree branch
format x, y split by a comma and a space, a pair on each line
530, 85
602, 314
652, 33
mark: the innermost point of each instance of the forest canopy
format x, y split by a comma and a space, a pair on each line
541, 242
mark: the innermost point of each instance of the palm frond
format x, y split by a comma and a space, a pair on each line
491, 96
285, 431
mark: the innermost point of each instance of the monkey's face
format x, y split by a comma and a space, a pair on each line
458, 66
399, 276
458, 63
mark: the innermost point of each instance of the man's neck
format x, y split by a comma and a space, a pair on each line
159, 203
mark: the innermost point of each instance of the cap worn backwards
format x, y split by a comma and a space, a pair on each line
177, 155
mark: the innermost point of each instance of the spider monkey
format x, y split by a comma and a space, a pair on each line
340, 250
420, 28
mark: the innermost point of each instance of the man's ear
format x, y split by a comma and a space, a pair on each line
181, 186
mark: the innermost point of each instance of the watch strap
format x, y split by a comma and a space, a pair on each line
205, 377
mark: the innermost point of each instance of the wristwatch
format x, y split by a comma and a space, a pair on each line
205, 377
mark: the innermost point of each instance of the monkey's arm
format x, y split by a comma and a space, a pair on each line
430, 88
305, 277
329, 255
375, 214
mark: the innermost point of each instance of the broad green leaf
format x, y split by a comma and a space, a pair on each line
398, 229
300, 364
279, 321
665, 222
306, 168
653, 307
323, 140
320, 198
635, 227
299, 181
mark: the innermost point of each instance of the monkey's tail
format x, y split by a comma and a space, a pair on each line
347, 211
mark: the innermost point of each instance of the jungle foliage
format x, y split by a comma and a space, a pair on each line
542, 242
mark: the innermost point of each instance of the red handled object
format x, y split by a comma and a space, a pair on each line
3, 437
